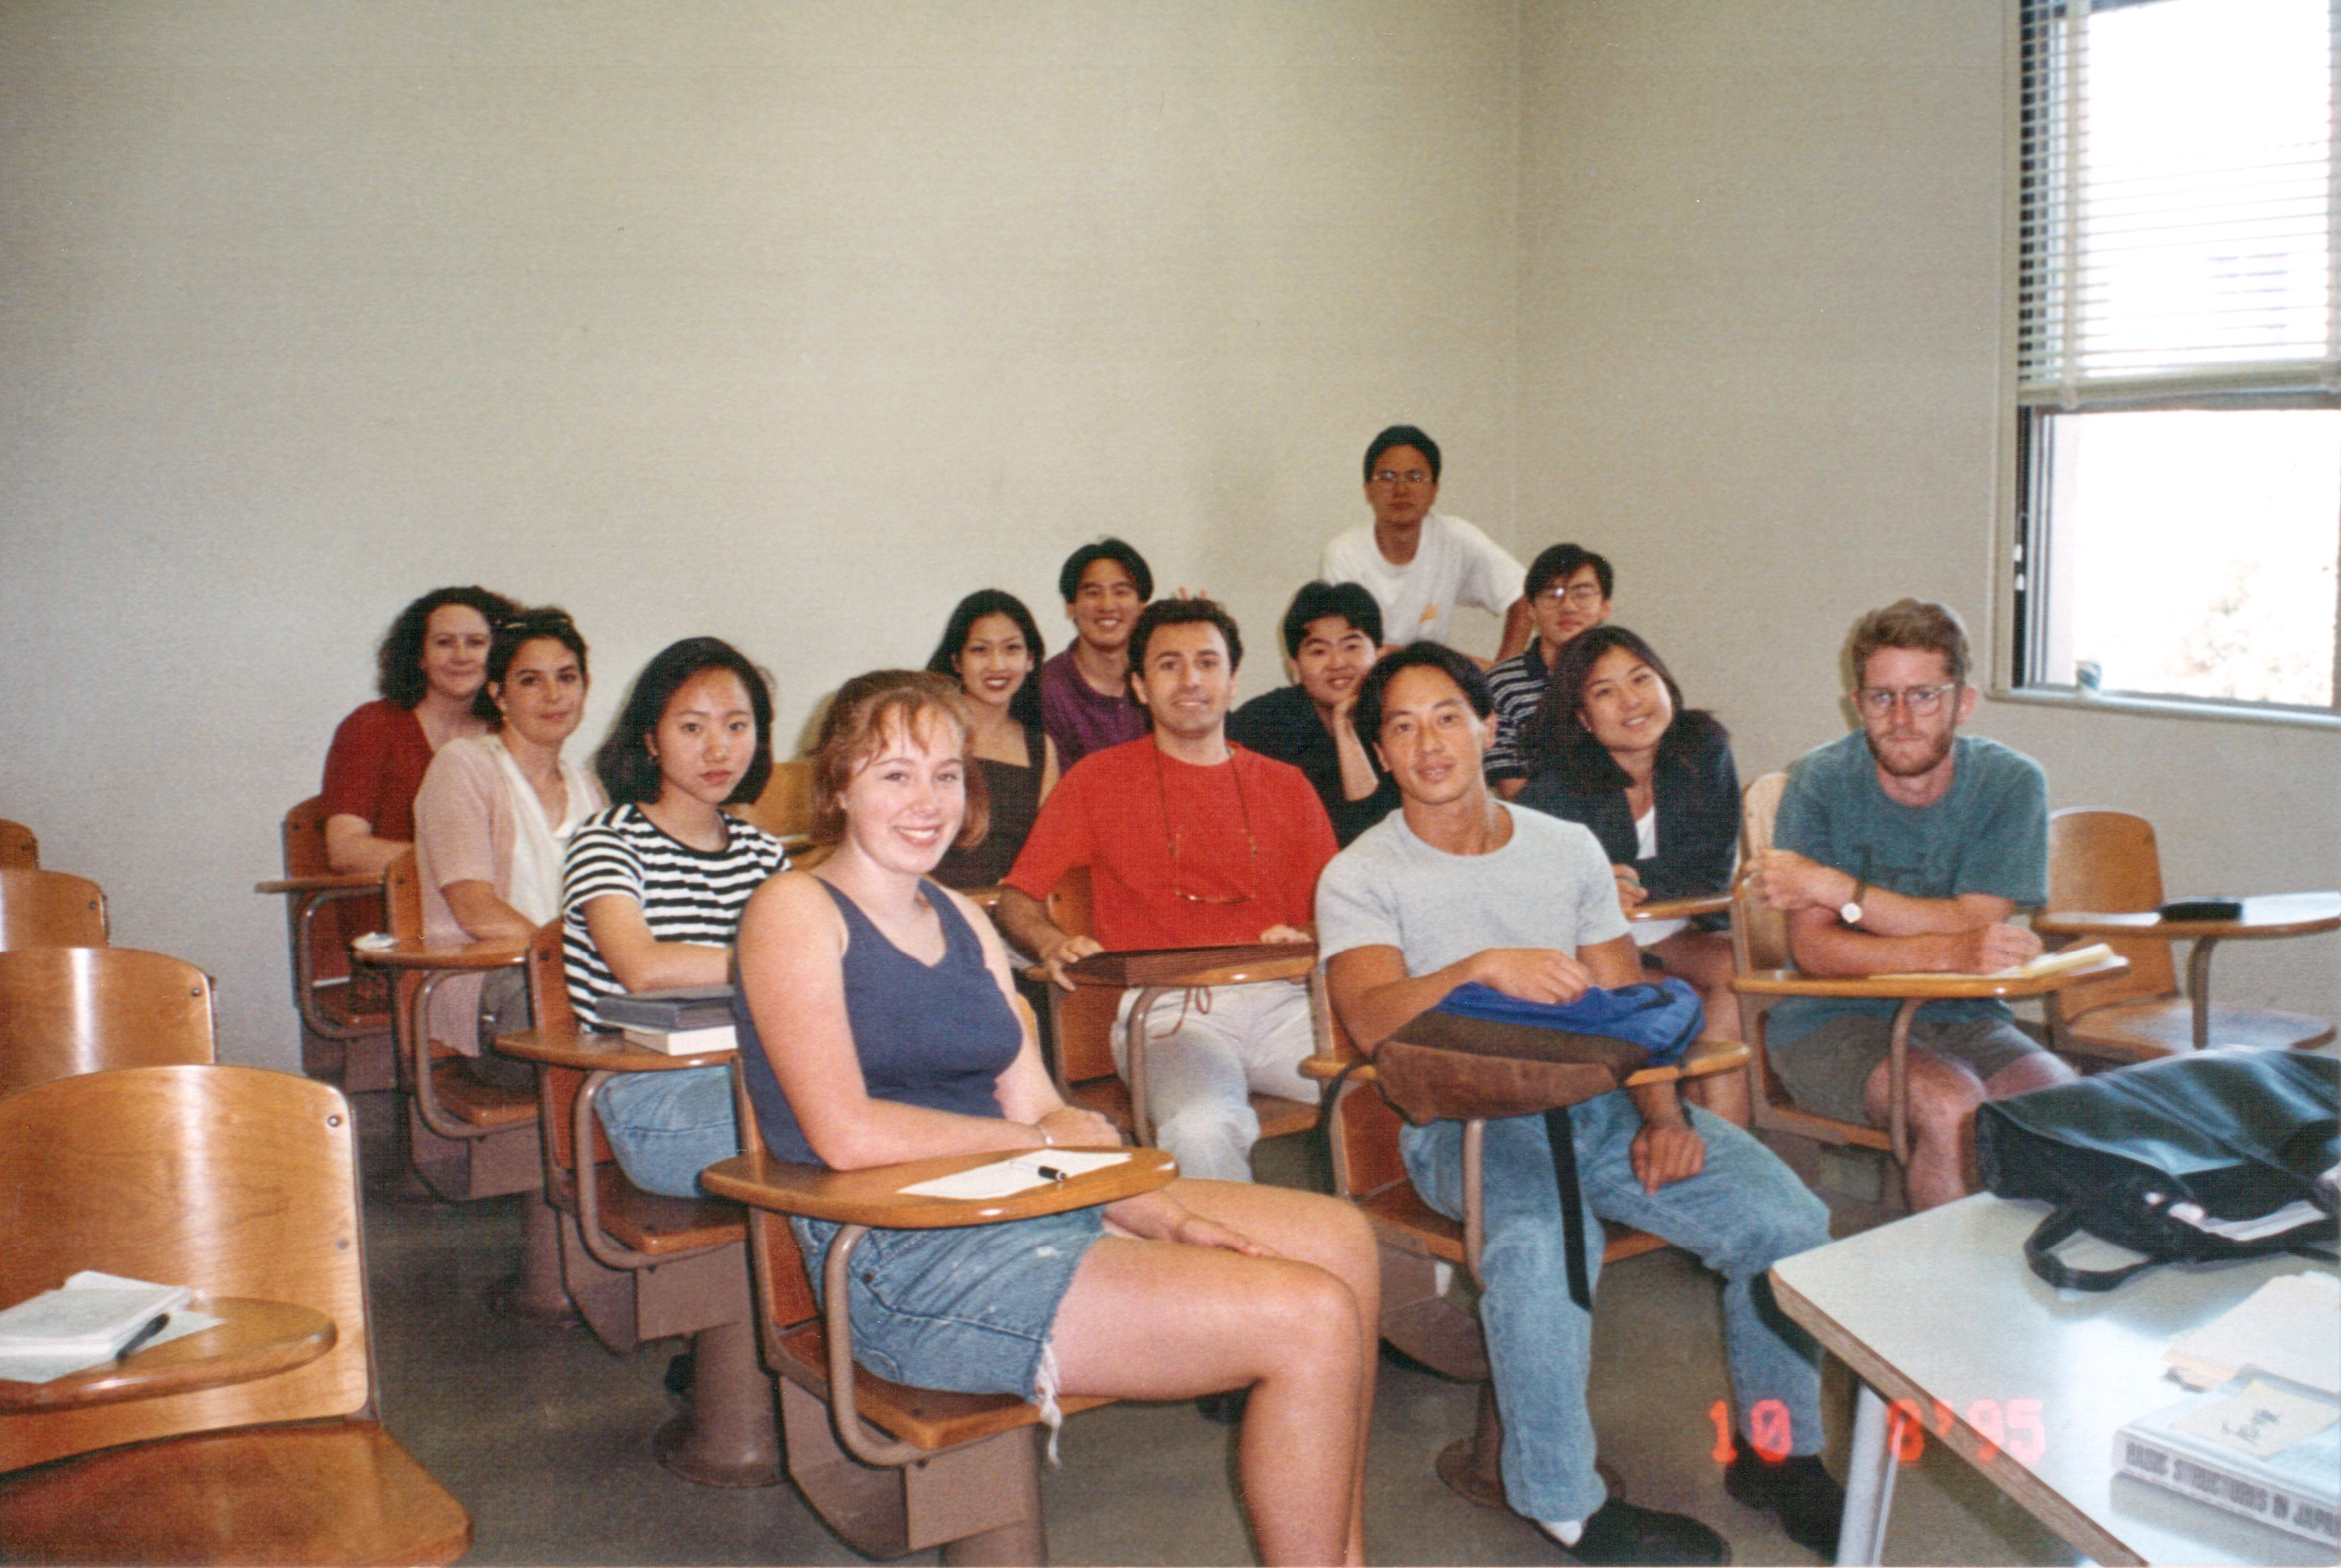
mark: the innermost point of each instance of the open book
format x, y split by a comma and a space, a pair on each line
2055, 963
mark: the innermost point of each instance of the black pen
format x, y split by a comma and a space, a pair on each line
1051, 1172
142, 1335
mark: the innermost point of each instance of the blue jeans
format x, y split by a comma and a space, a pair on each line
1742, 1214
666, 1128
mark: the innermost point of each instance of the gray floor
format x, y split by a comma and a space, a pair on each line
545, 1436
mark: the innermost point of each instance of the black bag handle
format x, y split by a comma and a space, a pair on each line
2053, 1232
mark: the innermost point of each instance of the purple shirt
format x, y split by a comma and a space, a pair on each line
1077, 718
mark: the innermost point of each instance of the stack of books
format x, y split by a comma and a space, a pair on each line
681, 1022
2263, 1437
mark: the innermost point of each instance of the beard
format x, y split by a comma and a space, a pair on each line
1936, 747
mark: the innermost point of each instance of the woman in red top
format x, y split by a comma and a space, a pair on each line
431, 665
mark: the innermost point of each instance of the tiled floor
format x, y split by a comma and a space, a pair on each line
545, 1436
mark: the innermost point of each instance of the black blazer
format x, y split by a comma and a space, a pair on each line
1698, 797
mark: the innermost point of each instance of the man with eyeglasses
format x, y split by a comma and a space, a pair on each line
1903, 847
1567, 592
1420, 564
1190, 843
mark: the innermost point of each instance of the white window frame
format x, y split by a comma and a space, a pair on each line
2020, 590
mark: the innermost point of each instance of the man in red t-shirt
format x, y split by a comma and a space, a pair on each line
1191, 843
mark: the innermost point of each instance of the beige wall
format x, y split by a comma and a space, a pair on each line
791, 322
1762, 311
786, 323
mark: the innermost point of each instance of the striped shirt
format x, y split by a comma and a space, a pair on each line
687, 895
1518, 685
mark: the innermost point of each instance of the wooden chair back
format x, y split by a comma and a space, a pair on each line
557, 1088
784, 1298
236, 1181
51, 909
19, 850
402, 897
2107, 862
784, 808
1083, 1021
68, 1010
1760, 934
303, 837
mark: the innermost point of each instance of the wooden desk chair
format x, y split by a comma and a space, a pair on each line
1081, 1029
19, 850
640, 1265
1418, 1244
240, 1183
345, 1025
1764, 971
890, 1468
67, 1010
468, 1139
50, 909
2107, 861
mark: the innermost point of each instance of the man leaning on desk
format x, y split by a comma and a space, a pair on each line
1906, 848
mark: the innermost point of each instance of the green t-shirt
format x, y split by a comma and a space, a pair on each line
1988, 835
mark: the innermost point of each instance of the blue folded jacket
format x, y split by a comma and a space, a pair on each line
1662, 1018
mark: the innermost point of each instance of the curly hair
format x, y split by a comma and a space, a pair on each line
398, 662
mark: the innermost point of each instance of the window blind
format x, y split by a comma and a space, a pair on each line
2181, 218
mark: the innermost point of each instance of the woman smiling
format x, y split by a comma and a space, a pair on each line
992, 648
1610, 746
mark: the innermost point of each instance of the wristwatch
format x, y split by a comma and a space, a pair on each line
1850, 910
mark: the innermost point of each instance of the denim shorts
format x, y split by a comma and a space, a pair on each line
968, 1309
1825, 1069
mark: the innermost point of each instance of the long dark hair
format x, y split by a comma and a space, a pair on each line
1554, 740
629, 772
398, 662
516, 631
1025, 706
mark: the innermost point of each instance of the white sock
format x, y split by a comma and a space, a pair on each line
1564, 1531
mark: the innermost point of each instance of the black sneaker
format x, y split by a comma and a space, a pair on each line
1808, 1501
1619, 1532
1227, 1409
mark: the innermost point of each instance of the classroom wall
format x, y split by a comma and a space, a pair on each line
1763, 302
791, 322
788, 323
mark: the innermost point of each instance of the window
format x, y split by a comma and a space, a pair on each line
2178, 356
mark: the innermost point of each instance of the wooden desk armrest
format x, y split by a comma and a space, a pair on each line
2265, 915
874, 1197
501, 953
1681, 909
591, 1051
1704, 1059
324, 882
1176, 968
1926, 987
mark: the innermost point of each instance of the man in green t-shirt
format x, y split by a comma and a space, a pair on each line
1908, 847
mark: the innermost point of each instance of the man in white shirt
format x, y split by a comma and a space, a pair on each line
1418, 564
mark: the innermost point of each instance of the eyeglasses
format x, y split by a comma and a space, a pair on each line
1392, 476
1583, 596
534, 620
1918, 701
1170, 835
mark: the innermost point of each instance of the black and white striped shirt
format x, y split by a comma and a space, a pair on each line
687, 895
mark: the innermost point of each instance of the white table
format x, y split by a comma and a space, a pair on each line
1940, 1307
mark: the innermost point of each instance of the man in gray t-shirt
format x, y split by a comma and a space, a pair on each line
1456, 886
1907, 847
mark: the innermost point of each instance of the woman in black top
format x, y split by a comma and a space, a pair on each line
1611, 746
993, 649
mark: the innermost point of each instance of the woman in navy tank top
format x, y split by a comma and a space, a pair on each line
877, 1025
